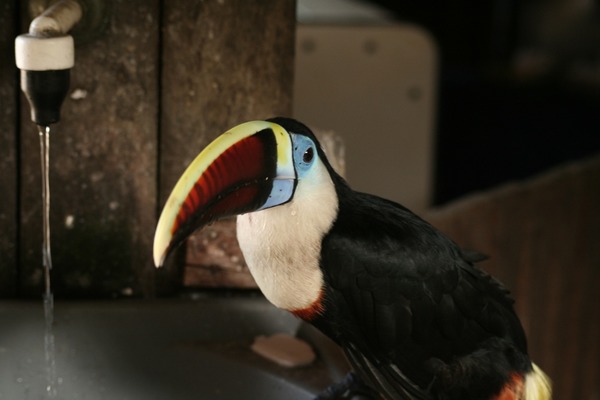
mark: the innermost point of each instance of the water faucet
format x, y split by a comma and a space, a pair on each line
45, 56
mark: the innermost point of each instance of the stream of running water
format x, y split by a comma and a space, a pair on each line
49, 347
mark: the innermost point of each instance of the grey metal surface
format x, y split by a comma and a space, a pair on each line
166, 349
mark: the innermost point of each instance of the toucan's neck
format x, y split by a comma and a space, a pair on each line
282, 245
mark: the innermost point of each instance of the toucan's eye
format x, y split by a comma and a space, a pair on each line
304, 154
308, 155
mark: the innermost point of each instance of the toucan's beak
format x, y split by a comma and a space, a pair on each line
248, 168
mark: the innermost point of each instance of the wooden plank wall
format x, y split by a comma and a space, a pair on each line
103, 164
8, 151
223, 64
147, 93
542, 237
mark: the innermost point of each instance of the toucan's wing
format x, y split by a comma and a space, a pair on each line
406, 293
391, 382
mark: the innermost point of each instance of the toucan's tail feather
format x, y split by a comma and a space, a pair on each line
537, 385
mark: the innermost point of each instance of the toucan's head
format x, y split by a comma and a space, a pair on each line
254, 166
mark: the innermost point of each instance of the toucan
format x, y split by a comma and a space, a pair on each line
414, 315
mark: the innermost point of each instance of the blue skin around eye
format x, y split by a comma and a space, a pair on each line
283, 189
301, 145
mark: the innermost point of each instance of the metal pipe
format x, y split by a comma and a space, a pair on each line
57, 19
44, 56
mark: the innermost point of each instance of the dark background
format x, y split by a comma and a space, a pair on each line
519, 87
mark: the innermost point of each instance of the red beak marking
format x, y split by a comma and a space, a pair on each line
232, 184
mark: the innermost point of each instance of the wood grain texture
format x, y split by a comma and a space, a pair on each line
223, 63
543, 238
8, 151
103, 165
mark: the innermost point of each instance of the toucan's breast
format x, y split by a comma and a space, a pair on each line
282, 245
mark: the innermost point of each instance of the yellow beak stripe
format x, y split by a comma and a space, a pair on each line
167, 222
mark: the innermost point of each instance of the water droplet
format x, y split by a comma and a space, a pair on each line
79, 94
69, 221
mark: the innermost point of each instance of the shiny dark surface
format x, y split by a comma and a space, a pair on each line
163, 349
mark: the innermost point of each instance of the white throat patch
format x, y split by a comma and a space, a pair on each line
282, 245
